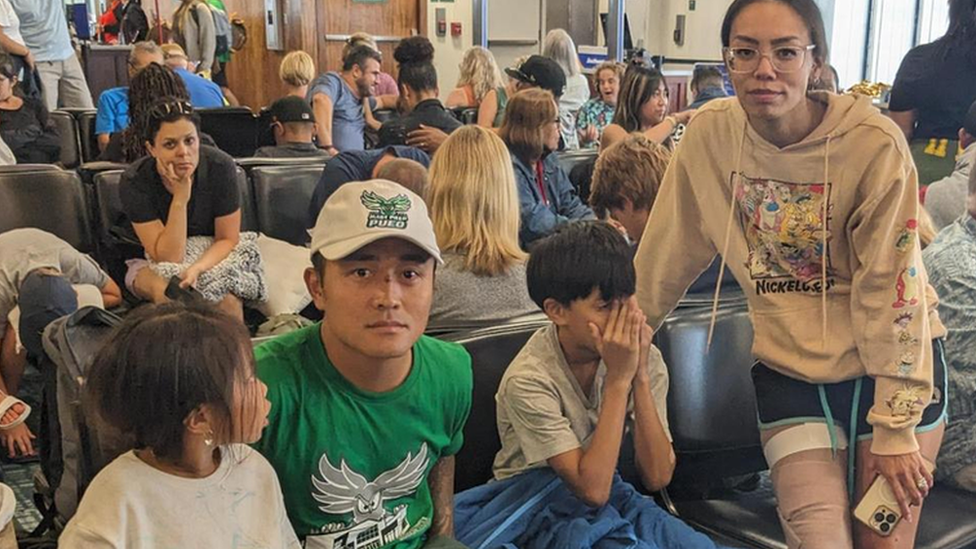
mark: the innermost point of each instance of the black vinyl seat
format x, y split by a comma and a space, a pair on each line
234, 129
68, 133
491, 350
48, 198
86, 135
569, 159
282, 195
711, 409
466, 115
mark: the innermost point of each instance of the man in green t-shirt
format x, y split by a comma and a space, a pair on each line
366, 412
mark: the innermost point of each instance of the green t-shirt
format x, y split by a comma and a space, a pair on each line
353, 464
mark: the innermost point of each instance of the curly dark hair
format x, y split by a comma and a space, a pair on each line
146, 88
415, 49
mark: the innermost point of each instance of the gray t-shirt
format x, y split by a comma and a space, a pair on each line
44, 28
462, 298
945, 199
348, 121
25, 250
542, 411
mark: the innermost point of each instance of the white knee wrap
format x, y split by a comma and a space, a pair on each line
802, 437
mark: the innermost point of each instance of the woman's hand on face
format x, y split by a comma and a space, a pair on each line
180, 185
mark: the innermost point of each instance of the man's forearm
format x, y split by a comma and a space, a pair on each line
441, 483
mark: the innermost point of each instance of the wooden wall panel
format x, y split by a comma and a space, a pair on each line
253, 72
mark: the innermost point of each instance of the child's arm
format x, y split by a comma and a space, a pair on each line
589, 473
652, 448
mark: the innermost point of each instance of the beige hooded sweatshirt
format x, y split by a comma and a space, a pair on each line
868, 310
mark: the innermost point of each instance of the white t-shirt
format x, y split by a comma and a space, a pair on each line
133, 505
10, 22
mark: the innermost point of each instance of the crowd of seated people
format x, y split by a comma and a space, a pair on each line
805, 201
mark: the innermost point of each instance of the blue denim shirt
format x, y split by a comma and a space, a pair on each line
951, 264
564, 205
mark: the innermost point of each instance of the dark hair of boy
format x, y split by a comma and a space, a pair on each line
578, 258
163, 363
357, 57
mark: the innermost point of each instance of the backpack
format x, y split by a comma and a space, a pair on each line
222, 28
74, 447
135, 24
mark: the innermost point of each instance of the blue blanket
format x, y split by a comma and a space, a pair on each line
536, 510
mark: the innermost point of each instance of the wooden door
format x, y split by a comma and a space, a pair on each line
387, 20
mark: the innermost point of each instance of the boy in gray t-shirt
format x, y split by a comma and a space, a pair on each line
564, 400
23, 253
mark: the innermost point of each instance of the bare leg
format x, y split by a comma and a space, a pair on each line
150, 286
12, 363
233, 306
811, 494
903, 536
230, 97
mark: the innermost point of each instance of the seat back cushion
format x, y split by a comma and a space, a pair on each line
50, 199
282, 195
68, 133
491, 350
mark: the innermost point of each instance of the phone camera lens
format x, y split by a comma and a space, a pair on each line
879, 517
891, 518
885, 527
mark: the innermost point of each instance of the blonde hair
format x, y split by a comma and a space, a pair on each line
615, 66
359, 39
479, 70
474, 202
631, 169
559, 47
297, 69
169, 50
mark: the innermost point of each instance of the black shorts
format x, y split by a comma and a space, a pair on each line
220, 77
782, 400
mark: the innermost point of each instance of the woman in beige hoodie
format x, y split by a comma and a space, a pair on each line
811, 199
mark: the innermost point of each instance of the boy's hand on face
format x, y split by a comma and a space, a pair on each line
619, 343
646, 335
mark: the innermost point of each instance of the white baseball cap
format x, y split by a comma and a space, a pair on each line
362, 212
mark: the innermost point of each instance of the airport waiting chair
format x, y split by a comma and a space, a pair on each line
48, 198
234, 129
70, 143
282, 195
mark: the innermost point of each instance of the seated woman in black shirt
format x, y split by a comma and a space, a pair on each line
180, 191
24, 123
935, 85
418, 94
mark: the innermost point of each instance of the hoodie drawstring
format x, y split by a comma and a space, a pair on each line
823, 247
728, 235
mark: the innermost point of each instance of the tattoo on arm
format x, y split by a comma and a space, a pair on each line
441, 482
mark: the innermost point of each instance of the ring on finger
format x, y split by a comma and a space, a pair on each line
921, 483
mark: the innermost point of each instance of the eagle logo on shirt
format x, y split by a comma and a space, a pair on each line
342, 490
386, 212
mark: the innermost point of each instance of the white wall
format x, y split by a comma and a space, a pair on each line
652, 22
449, 50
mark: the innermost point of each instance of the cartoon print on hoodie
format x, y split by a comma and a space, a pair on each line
783, 225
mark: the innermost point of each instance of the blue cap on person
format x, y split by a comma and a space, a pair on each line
44, 298
362, 212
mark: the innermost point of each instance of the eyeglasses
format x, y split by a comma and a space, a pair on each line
784, 59
165, 109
